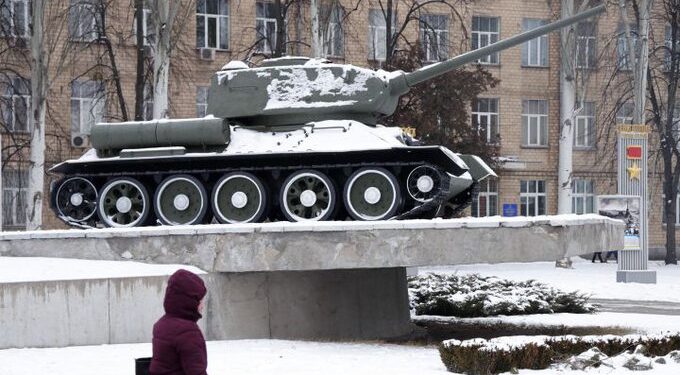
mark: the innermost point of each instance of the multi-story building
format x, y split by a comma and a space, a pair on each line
521, 115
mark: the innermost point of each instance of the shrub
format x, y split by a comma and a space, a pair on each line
477, 296
481, 357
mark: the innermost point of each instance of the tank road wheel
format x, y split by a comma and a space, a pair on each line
76, 199
180, 200
123, 202
238, 197
308, 195
372, 194
423, 183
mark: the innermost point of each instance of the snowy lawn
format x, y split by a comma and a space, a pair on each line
596, 279
234, 357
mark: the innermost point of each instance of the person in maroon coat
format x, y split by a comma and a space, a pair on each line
178, 344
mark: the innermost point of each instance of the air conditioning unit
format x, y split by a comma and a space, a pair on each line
207, 54
79, 140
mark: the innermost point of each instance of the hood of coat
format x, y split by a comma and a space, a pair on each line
183, 294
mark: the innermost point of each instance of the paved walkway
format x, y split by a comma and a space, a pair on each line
639, 307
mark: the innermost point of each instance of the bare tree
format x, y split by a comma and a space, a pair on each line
662, 87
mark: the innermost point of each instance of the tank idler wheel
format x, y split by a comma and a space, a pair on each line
423, 183
180, 200
76, 199
239, 197
123, 202
372, 194
308, 195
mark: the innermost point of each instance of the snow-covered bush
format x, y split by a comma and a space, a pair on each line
479, 356
474, 296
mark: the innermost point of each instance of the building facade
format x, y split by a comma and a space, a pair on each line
521, 116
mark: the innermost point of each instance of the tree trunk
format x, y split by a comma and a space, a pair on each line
316, 32
389, 48
670, 204
139, 78
280, 46
161, 61
567, 110
39, 77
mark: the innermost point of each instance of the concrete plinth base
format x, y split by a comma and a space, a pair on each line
333, 304
636, 276
326, 305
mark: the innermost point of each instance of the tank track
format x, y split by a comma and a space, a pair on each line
411, 208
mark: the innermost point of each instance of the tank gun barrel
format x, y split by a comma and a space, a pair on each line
433, 70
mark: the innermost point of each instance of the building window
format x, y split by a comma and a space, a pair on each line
434, 34
201, 101
485, 117
212, 24
532, 197
148, 28
586, 45
485, 31
622, 50
16, 104
15, 18
147, 105
265, 26
14, 190
487, 200
333, 37
82, 21
669, 47
535, 123
87, 105
584, 133
624, 115
582, 196
535, 51
377, 35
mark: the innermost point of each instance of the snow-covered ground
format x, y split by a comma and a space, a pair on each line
234, 357
258, 357
596, 279
26, 269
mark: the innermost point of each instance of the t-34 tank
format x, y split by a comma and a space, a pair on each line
294, 139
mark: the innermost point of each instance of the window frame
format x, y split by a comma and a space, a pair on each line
622, 53
587, 118
580, 193
11, 10
202, 105
477, 114
433, 27
265, 44
81, 36
221, 31
541, 44
493, 58
526, 196
626, 108
542, 131
98, 100
589, 57
331, 47
378, 32
18, 203
487, 197
9, 99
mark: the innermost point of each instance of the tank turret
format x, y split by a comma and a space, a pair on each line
295, 139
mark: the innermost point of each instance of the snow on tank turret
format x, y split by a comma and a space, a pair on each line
293, 139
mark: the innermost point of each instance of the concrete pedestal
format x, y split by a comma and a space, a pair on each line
336, 304
636, 276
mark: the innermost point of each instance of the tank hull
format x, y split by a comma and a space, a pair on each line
366, 173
